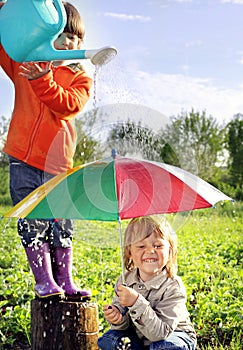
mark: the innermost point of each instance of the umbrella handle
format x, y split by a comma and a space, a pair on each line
125, 310
121, 253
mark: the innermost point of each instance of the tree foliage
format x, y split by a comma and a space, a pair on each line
234, 145
4, 123
131, 138
193, 141
4, 172
87, 148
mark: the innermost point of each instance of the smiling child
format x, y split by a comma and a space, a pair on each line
155, 297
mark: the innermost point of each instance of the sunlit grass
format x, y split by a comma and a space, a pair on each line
210, 264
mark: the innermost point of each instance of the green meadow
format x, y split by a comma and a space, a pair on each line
210, 264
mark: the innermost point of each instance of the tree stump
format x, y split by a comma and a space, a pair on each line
64, 325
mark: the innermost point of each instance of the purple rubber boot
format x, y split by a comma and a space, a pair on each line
63, 262
40, 263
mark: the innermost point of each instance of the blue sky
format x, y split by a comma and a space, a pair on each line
173, 55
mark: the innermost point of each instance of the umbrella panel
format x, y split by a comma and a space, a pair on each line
88, 193
145, 188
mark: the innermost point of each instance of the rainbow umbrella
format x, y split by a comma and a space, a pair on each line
117, 188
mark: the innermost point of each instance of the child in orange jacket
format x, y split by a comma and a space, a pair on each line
41, 144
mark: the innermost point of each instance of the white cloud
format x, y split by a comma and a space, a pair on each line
240, 54
127, 17
172, 93
238, 2
169, 94
181, 1
185, 68
194, 43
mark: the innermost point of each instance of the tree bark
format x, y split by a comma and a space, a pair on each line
63, 325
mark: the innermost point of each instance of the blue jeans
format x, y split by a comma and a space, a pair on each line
23, 180
112, 340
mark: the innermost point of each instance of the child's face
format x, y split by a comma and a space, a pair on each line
67, 41
150, 255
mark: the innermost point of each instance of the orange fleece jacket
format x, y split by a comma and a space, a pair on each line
42, 129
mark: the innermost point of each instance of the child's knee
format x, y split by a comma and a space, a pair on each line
110, 340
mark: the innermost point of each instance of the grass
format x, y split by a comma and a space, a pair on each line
210, 264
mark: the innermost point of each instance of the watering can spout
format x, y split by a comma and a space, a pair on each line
27, 33
98, 57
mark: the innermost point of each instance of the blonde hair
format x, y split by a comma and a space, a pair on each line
141, 228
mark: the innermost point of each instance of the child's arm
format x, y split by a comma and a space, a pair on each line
160, 321
65, 98
116, 314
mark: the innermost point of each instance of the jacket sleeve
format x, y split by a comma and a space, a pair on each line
159, 322
64, 102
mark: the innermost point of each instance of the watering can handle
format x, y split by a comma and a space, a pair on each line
61, 11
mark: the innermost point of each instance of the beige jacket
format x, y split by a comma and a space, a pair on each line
159, 310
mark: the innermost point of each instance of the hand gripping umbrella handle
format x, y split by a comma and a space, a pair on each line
125, 309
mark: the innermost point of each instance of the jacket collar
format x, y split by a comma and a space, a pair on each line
132, 278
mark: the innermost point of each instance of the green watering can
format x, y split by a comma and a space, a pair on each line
28, 29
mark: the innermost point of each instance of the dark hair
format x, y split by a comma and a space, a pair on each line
74, 23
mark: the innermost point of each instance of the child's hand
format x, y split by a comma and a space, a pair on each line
112, 314
127, 296
34, 70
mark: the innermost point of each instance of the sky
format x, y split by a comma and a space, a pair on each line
173, 56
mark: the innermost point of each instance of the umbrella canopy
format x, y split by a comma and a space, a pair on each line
117, 188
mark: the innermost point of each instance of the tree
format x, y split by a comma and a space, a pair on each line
234, 144
88, 147
4, 124
4, 173
131, 138
193, 141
